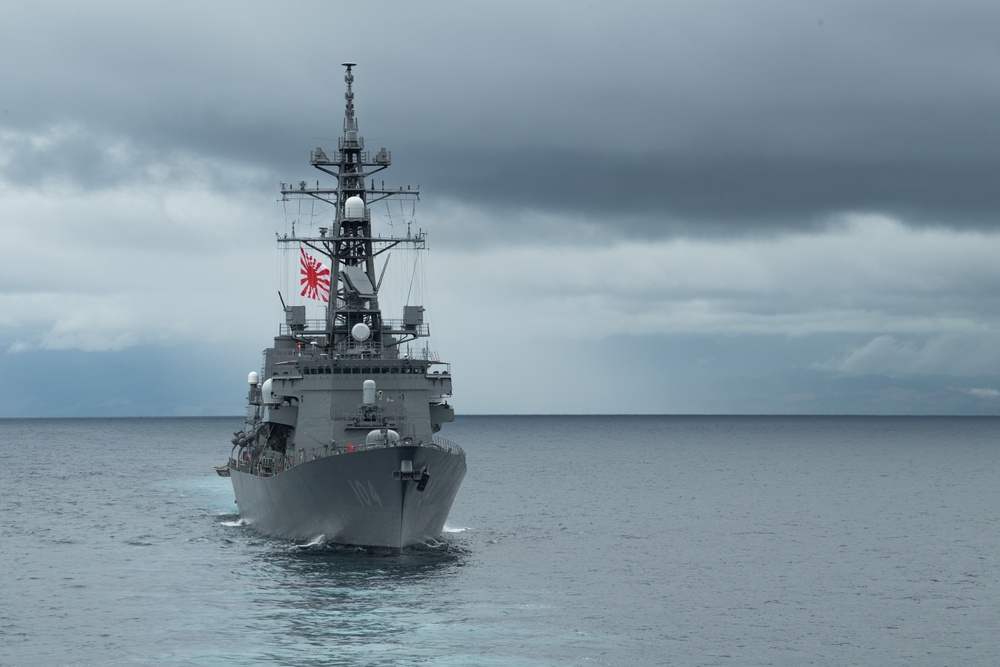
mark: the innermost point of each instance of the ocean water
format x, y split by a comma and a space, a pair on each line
574, 541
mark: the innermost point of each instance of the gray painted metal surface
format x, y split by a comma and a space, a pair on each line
339, 441
352, 498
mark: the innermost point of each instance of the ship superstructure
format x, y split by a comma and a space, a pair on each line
340, 440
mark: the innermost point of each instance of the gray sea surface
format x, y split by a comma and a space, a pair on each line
583, 540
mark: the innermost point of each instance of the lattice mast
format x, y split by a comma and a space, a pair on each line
351, 248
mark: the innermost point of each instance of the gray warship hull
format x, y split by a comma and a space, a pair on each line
353, 498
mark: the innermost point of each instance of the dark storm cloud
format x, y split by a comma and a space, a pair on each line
765, 117
699, 194
660, 118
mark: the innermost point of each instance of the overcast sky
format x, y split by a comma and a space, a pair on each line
634, 207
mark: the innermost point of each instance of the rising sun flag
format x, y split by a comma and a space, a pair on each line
315, 278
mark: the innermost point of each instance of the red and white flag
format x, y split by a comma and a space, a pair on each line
315, 278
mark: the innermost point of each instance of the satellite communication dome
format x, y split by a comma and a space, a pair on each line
267, 393
360, 331
354, 208
253, 379
368, 392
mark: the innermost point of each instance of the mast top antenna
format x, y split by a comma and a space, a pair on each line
350, 123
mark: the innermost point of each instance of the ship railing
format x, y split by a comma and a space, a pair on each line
401, 326
311, 327
353, 348
263, 467
448, 446
359, 142
394, 326
436, 442
279, 464
371, 349
289, 461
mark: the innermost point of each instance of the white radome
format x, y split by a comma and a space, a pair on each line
360, 332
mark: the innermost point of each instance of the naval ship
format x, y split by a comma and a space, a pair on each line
340, 443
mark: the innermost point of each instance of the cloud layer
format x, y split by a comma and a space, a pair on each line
809, 188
